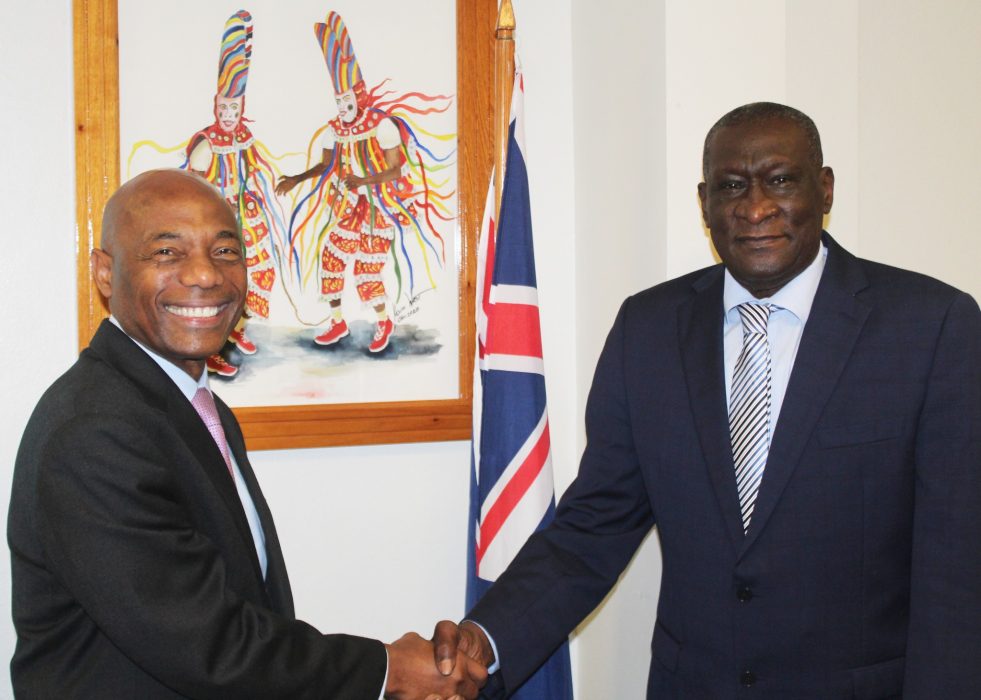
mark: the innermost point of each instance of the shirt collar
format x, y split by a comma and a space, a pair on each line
796, 296
184, 381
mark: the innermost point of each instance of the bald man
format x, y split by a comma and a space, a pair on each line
145, 561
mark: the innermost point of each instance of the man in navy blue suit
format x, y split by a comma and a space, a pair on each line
804, 428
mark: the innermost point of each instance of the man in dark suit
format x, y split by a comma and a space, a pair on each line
820, 515
145, 561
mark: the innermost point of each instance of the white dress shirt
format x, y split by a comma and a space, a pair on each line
784, 330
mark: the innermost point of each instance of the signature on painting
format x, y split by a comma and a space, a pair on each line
406, 311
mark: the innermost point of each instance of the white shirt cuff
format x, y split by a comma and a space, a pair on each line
496, 666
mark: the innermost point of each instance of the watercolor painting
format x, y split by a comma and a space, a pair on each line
330, 129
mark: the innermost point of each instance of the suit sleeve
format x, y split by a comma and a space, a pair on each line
116, 535
944, 642
564, 571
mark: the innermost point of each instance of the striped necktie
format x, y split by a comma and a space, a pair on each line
749, 406
204, 404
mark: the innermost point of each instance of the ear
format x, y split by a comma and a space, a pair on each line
101, 263
702, 195
827, 180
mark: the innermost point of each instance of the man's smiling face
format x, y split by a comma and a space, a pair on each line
171, 266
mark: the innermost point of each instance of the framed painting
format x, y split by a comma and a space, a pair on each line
359, 323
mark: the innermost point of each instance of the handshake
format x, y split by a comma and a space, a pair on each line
451, 666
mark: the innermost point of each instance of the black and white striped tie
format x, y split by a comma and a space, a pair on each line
749, 406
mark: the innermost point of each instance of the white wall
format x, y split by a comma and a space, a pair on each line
617, 105
38, 326
919, 145
621, 241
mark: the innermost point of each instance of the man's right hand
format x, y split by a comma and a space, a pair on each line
412, 675
450, 640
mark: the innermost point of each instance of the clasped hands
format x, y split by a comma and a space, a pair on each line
450, 666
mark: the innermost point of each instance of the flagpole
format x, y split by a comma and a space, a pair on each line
503, 85
512, 492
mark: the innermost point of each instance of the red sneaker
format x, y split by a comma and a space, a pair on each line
242, 343
382, 333
217, 365
335, 331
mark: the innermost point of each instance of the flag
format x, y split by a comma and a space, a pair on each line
511, 489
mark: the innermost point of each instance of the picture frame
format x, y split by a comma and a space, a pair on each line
97, 165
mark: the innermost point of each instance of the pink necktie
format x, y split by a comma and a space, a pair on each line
204, 404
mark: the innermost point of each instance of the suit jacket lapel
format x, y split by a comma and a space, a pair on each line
277, 581
159, 391
700, 335
192, 429
834, 324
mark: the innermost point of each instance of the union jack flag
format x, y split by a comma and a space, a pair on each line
511, 489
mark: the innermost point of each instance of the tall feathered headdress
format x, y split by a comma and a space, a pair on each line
236, 53
342, 63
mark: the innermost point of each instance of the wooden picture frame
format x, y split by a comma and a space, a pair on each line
97, 166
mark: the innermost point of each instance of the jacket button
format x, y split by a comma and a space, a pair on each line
744, 594
747, 678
